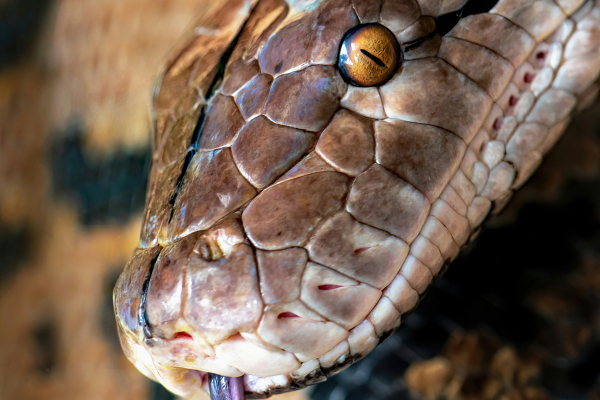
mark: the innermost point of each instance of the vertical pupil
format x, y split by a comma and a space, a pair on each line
373, 58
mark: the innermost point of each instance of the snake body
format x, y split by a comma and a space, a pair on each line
293, 219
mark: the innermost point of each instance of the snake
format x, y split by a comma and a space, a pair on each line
317, 164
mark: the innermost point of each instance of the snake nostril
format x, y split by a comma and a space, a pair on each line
208, 249
541, 55
183, 335
358, 251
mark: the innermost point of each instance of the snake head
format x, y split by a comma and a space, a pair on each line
316, 164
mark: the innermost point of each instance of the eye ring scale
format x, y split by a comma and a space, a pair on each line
369, 55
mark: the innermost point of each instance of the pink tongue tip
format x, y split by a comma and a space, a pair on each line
226, 388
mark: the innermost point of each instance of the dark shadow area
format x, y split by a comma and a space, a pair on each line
108, 189
158, 392
20, 24
15, 248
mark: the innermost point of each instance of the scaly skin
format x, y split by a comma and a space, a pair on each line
292, 219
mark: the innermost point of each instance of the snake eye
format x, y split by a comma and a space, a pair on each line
370, 55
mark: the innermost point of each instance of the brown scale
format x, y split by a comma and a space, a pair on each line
264, 150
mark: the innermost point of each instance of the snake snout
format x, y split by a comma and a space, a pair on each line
205, 285
194, 307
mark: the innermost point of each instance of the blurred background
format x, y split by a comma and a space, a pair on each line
516, 317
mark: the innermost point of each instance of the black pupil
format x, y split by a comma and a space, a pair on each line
373, 58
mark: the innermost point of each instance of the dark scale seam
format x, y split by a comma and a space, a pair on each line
238, 106
356, 15
453, 240
446, 22
318, 132
262, 110
163, 167
410, 286
293, 70
452, 18
525, 30
452, 205
484, 9
478, 85
264, 304
260, 190
322, 316
561, 9
303, 271
142, 316
379, 229
239, 170
202, 117
307, 152
343, 274
434, 244
382, 105
487, 48
330, 214
184, 287
321, 223
184, 290
447, 183
328, 162
409, 253
408, 183
432, 125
